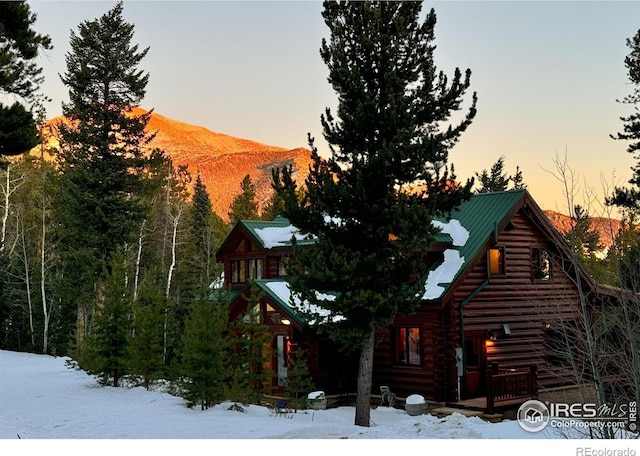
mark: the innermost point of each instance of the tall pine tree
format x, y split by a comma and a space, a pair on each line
629, 198
205, 349
496, 180
390, 131
206, 232
101, 158
244, 206
107, 353
20, 76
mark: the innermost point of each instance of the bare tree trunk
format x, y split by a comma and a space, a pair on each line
6, 192
365, 374
174, 236
43, 293
27, 280
138, 256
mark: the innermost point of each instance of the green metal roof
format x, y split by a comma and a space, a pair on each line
278, 291
278, 298
259, 229
481, 216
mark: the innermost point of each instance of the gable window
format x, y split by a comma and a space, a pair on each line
496, 261
407, 346
246, 269
541, 264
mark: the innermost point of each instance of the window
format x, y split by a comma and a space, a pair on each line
496, 261
244, 270
281, 265
541, 264
407, 342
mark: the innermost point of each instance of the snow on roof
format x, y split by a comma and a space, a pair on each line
278, 236
283, 292
454, 229
448, 269
445, 273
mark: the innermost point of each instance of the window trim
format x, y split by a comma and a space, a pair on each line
535, 265
402, 348
502, 268
244, 269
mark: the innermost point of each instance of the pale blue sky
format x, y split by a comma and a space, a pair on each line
547, 75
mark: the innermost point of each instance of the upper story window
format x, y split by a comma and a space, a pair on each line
407, 344
281, 265
495, 258
541, 264
243, 270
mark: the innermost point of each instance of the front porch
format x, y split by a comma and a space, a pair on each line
506, 390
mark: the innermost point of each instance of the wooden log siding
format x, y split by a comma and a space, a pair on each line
406, 380
517, 300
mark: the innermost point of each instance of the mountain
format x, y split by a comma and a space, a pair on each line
224, 160
221, 160
606, 228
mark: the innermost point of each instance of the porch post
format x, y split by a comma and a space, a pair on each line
489, 388
533, 381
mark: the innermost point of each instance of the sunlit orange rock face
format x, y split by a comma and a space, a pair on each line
606, 228
221, 160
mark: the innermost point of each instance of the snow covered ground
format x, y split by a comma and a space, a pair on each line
41, 397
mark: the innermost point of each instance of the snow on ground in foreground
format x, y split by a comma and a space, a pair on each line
42, 398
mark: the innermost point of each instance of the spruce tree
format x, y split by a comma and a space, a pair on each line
244, 205
145, 342
107, 353
20, 76
254, 350
205, 350
206, 232
391, 130
299, 382
629, 198
102, 159
496, 180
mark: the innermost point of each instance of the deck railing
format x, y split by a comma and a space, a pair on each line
509, 385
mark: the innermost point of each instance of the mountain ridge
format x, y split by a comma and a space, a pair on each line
221, 160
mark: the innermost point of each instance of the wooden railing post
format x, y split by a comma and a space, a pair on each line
489, 388
533, 379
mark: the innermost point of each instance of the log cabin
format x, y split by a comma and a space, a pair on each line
502, 284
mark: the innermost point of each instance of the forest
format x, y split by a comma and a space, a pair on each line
107, 250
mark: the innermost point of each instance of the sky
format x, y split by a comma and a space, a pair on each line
547, 74
48, 406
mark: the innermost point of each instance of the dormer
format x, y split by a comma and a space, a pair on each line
257, 250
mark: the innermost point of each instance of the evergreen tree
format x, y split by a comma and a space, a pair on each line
107, 353
18, 132
390, 132
205, 351
253, 359
206, 232
518, 180
299, 381
496, 180
629, 198
145, 345
102, 160
244, 206
19, 76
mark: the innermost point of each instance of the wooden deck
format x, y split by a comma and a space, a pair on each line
480, 404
